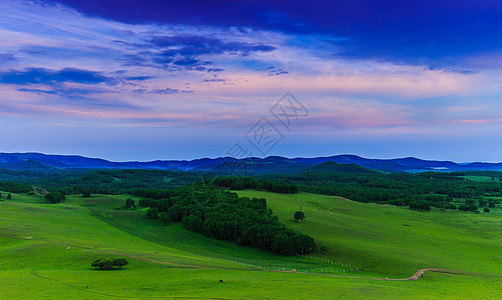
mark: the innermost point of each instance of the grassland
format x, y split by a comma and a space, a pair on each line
376, 242
394, 240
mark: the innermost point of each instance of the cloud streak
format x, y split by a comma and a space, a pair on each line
51, 77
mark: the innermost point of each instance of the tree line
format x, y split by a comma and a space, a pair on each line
242, 183
14, 187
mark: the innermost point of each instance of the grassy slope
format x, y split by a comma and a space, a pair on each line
394, 241
37, 267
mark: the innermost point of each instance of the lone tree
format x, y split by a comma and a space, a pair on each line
86, 194
129, 203
9, 196
107, 263
299, 216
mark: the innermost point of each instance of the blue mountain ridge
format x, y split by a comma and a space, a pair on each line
45, 162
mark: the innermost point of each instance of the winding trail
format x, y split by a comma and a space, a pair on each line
419, 274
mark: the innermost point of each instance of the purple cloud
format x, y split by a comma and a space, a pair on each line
7, 57
51, 77
193, 45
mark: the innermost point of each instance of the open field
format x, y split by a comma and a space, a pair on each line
380, 241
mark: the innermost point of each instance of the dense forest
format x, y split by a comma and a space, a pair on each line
76, 181
223, 215
419, 191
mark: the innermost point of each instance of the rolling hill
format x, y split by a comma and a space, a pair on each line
44, 257
333, 167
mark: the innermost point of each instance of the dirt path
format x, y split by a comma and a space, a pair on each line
417, 275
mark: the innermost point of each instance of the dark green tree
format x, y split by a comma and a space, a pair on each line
9, 196
152, 213
103, 263
107, 263
323, 248
86, 194
193, 223
299, 216
165, 218
55, 197
226, 216
486, 210
119, 262
129, 203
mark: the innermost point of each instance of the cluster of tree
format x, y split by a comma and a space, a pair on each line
484, 203
9, 196
241, 183
78, 181
129, 203
420, 205
151, 193
107, 263
14, 187
86, 193
55, 197
223, 215
468, 207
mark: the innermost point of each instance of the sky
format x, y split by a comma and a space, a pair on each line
146, 80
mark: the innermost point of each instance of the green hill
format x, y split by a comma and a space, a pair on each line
333, 167
47, 250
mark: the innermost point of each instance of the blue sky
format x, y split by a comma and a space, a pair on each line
144, 80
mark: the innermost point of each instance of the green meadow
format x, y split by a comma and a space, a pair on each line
479, 178
47, 250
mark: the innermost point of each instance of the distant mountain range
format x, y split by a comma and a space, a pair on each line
46, 163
